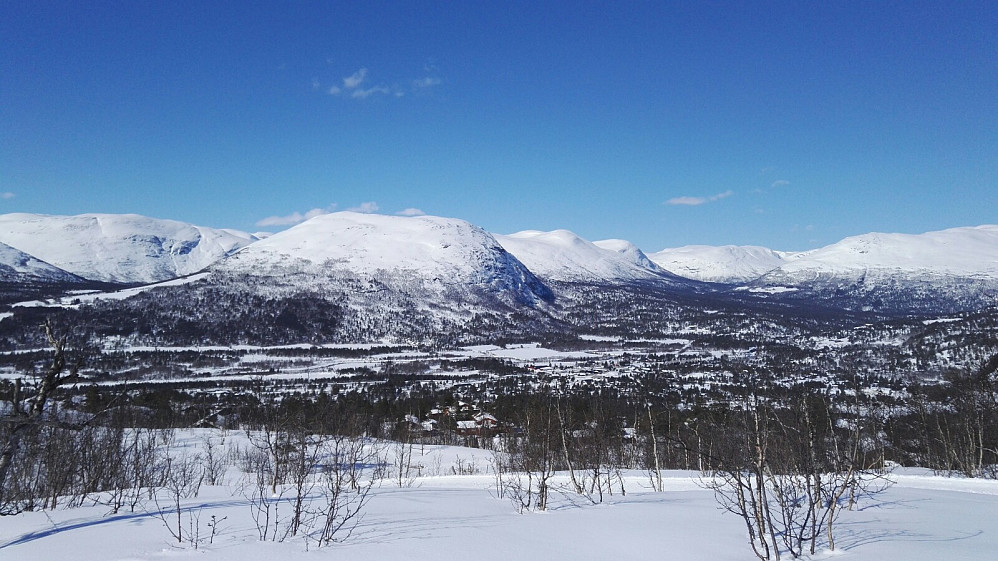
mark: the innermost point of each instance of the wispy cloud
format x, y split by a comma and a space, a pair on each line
427, 82
367, 208
7, 195
780, 183
295, 217
352, 87
355, 79
687, 201
362, 93
357, 86
410, 212
697, 201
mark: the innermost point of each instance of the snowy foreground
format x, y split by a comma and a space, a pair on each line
447, 516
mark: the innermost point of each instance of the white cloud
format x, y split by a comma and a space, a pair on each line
355, 79
366, 208
410, 212
427, 82
295, 217
687, 201
357, 86
697, 201
780, 183
7, 195
352, 83
361, 94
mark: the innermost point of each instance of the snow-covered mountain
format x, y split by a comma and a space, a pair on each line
119, 248
970, 253
631, 252
563, 256
725, 264
955, 269
428, 250
24, 277
352, 277
427, 260
18, 266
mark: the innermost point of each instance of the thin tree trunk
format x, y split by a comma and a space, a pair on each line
654, 451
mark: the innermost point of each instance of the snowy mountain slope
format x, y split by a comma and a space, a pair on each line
24, 277
444, 250
565, 257
942, 271
120, 248
17, 266
420, 254
347, 278
970, 253
955, 253
724, 264
631, 252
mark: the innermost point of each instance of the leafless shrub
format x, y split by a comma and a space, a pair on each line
183, 478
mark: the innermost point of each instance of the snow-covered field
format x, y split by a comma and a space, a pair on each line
527, 352
448, 516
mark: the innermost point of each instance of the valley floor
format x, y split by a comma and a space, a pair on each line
457, 517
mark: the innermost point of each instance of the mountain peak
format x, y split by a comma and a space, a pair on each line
423, 249
561, 255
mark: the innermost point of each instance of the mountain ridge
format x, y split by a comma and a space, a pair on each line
452, 270
119, 248
965, 252
563, 256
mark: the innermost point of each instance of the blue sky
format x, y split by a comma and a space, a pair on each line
784, 124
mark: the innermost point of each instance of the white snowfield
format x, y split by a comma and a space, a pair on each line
563, 256
124, 248
448, 516
76, 299
527, 352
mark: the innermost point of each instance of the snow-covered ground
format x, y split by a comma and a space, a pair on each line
526, 352
76, 299
448, 516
